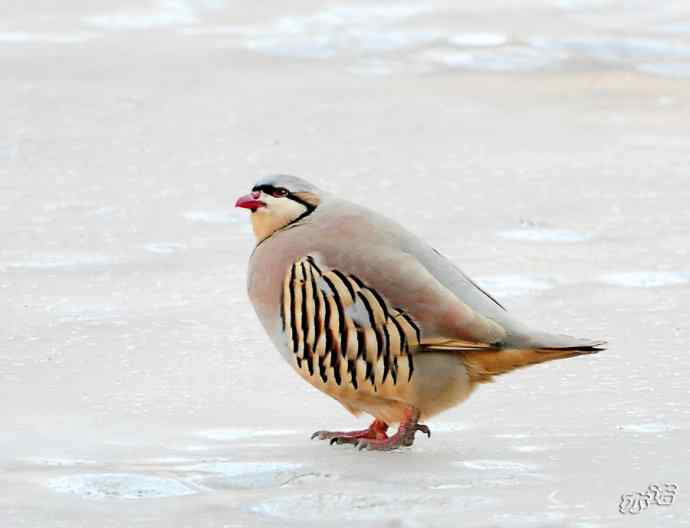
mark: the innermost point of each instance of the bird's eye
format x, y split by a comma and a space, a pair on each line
279, 192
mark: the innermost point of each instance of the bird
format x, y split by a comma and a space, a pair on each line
373, 316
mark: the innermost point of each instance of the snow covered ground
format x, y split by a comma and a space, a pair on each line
542, 145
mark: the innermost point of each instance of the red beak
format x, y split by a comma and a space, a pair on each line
250, 201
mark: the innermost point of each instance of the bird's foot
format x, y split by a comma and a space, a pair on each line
404, 437
376, 431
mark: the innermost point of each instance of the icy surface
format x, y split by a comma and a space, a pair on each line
516, 285
646, 279
118, 485
478, 40
23, 37
680, 70
243, 433
241, 475
543, 235
542, 146
373, 507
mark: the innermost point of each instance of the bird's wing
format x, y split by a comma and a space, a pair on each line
518, 335
366, 312
406, 274
334, 321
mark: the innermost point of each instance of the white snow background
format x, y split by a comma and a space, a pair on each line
542, 145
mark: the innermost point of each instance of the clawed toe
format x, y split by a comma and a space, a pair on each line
424, 429
388, 444
336, 437
342, 440
361, 445
403, 438
374, 438
376, 430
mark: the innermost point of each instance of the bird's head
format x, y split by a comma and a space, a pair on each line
278, 201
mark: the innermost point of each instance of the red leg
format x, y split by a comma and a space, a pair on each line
403, 437
376, 431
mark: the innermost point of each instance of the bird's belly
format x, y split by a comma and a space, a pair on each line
437, 382
441, 382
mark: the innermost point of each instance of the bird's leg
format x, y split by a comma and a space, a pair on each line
403, 437
376, 431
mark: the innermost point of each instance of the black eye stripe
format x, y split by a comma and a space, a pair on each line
269, 189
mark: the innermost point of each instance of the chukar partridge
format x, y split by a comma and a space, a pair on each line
375, 317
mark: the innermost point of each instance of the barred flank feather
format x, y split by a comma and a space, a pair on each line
339, 329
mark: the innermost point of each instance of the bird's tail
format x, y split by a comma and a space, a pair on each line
482, 366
